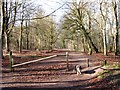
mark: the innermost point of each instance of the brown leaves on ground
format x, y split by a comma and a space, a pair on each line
48, 72
111, 57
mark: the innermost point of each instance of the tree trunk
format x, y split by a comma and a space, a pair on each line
7, 42
27, 36
2, 29
51, 41
89, 39
6, 28
111, 46
104, 44
116, 43
21, 28
104, 31
116, 38
20, 38
90, 49
51, 46
27, 43
93, 45
83, 44
63, 43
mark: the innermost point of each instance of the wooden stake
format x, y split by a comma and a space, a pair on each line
67, 62
105, 62
11, 61
87, 61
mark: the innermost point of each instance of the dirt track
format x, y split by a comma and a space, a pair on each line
52, 73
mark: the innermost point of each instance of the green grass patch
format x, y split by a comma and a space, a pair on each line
108, 72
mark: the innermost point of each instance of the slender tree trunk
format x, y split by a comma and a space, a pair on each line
27, 36
116, 44
77, 48
21, 28
83, 44
6, 28
90, 49
1, 46
27, 46
111, 46
45, 45
104, 31
63, 44
104, 44
89, 45
7, 42
51, 45
20, 38
116, 38
51, 40
2, 29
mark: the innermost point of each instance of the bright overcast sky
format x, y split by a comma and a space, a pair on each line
50, 5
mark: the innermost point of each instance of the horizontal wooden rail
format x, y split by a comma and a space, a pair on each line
17, 65
61, 55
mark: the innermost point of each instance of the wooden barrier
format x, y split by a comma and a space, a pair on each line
67, 62
33, 61
87, 61
105, 62
11, 60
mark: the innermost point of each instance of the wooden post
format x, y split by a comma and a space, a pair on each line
67, 62
11, 61
105, 62
87, 61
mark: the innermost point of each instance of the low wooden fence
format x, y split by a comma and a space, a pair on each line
12, 65
78, 67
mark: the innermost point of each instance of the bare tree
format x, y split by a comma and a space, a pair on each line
21, 27
116, 37
104, 28
10, 15
2, 29
76, 19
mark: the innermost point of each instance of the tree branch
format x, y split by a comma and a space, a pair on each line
43, 16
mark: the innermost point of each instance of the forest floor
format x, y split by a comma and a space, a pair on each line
52, 73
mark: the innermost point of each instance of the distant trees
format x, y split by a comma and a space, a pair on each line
24, 26
43, 33
88, 26
76, 21
21, 25
36, 34
95, 23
